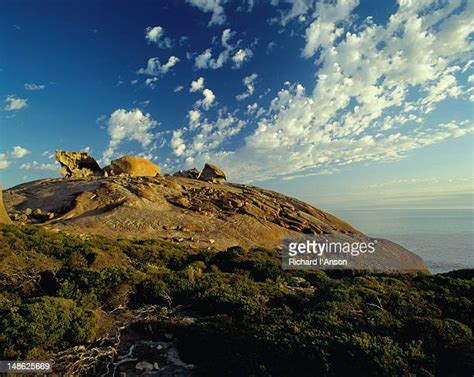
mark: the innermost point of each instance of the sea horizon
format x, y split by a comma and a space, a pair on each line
444, 238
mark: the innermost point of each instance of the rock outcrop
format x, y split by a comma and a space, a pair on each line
201, 214
4, 218
133, 166
191, 173
78, 165
212, 173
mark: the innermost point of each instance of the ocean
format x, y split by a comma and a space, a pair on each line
444, 238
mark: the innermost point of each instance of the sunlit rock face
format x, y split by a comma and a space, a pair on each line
78, 165
200, 213
133, 166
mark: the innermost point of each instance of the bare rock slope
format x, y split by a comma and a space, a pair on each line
203, 214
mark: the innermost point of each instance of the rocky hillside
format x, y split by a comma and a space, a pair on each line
200, 213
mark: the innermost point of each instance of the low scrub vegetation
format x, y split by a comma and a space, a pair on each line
252, 317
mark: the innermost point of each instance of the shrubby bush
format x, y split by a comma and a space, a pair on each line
253, 318
46, 322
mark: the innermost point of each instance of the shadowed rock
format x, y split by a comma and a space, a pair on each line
191, 173
133, 166
78, 165
4, 218
212, 173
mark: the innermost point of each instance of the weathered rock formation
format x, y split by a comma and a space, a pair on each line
212, 173
78, 165
199, 213
4, 218
133, 166
191, 173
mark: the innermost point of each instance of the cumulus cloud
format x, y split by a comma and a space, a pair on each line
210, 6
4, 163
19, 152
375, 87
155, 34
194, 117
155, 68
324, 29
206, 60
172, 61
208, 99
132, 125
177, 143
197, 85
178, 88
208, 95
254, 110
151, 82
248, 82
35, 165
34, 87
205, 136
13, 103
241, 56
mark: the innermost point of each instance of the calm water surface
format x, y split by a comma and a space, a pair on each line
443, 238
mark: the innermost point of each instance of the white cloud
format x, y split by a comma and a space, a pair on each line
178, 88
4, 163
208, 99
205, 136
254, 110
151, 82
154, 67
197, 85
206, 60
208, 95
35, 165
227, 34
374, 88
298, 8
48, 154
14, 103
34, 87
203, 60
248, 82
194, 116
210, 6
19, 152
241, 56
177, 143
130, 125
172, 61
470, 78
324, 29
155, 35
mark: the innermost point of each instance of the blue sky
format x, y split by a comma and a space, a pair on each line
345, 104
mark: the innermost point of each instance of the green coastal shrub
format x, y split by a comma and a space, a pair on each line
45, 322
251, 317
